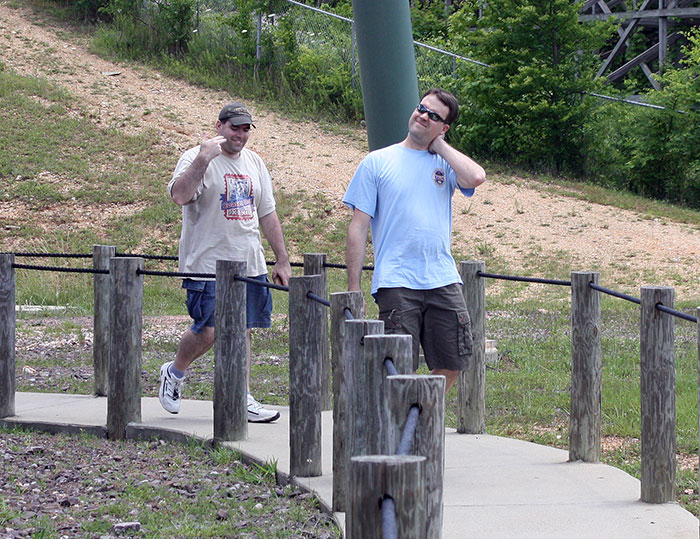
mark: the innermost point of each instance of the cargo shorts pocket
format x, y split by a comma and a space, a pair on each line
464, 333
392, 321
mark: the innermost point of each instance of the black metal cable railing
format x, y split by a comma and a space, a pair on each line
522, 279
30, 254
615, 293
310, 295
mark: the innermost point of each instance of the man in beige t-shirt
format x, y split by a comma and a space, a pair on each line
226, 196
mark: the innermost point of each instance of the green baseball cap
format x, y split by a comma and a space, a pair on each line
236, 113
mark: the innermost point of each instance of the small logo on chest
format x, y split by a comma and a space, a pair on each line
439, 177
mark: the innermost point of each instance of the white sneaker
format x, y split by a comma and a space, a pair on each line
258, 414
170, 389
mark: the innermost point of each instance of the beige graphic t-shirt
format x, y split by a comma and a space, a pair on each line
221, 220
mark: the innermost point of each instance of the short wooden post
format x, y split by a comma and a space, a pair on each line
658, 399
428, 393
374, 478
586, 368
339, 302
101, 255
471, 411
306, 338
315, 264
126, 319
230, 355
7, 335
368, 431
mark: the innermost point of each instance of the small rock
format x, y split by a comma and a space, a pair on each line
122, 527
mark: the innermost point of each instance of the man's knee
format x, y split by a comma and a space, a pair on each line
207, 335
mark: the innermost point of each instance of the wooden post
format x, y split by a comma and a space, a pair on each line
339, 302
374, 478
315, 264
658, 388
428, 393
353, 352
7, 335
230, 353
306, 338
368, 430
101, 255
126, 319
586, 368
471, 411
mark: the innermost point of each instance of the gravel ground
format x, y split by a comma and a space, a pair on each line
81, 486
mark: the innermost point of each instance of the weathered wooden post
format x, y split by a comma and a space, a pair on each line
339, 302
101, 254
315, 264
658, 396
369, 426
7, 335
428, 393
471, 411
374, 478
586, 369
306, 338
230, 354
126, 319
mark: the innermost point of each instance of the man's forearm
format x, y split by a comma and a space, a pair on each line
272, 230
355, 259
355, 249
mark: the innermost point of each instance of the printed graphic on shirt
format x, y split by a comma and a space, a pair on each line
237, 201
439, 177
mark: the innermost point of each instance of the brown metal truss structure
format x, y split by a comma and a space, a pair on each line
660, 21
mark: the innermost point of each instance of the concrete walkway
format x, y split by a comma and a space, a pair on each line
494, 487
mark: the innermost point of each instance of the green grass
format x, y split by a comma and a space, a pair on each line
180, 490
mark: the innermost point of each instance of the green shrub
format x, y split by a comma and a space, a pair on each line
529, 106
655, 152
150, 28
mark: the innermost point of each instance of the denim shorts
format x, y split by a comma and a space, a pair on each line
201, 303
437, 319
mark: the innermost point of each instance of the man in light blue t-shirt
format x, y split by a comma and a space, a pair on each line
404, 192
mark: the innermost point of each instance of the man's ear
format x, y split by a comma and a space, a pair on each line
445, 128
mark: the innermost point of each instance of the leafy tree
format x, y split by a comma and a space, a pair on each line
529, 107
430, 21
656, 151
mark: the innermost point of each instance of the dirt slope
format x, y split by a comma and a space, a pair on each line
510, 219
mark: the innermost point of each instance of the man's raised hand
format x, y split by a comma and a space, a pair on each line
211, 148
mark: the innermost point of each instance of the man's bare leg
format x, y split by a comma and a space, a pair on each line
193, 345
450, 377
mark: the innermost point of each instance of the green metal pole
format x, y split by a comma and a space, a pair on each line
387, 68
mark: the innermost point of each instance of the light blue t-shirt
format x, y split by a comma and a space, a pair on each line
408, 194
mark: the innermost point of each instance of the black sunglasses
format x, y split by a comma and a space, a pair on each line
434, 116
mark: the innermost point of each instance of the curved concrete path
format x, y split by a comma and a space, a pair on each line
494, 487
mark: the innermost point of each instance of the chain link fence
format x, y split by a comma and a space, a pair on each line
328, 34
